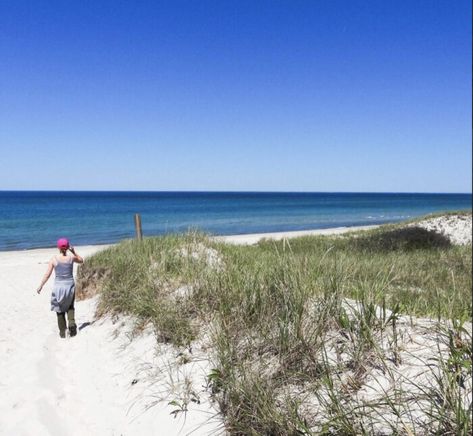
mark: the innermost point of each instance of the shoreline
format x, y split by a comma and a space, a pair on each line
253, 238
244, 239
441, 223
83, 235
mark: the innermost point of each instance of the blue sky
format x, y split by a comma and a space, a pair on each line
236, 95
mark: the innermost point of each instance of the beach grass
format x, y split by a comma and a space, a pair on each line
299, 326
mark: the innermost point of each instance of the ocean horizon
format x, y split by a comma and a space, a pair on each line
36, 219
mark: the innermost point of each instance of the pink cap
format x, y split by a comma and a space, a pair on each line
63, 243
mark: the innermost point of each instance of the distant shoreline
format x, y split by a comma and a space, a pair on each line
244, 239
30, 220
253, 238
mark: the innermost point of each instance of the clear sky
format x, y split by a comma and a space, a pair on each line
319, 95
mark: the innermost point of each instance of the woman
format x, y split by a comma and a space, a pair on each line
62, 298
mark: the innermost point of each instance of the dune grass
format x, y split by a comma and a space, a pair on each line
298, 326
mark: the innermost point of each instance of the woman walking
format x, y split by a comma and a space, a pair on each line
62, 297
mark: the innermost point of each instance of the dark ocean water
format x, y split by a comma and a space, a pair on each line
38, 219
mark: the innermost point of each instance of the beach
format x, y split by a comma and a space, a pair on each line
277, 236
271, 204
109, 380
87, 379
81, 385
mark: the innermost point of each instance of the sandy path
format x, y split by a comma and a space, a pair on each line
75, 386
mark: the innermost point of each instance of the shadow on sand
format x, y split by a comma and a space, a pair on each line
85, 324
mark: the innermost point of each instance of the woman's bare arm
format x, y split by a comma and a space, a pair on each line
46, 276
76, 257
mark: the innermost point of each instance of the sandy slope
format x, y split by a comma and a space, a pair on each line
100, 382
82, 385
255, 237
457, 228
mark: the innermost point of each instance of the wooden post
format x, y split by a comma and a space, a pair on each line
139, 231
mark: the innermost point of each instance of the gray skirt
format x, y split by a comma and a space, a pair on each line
62, 297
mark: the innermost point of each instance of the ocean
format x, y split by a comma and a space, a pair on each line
33, 219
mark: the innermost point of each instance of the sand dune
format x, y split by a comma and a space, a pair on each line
103, 381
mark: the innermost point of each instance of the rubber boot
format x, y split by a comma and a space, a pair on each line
61, 323
72, 322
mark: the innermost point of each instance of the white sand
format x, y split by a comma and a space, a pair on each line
256, 237
83, 385
457, 228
